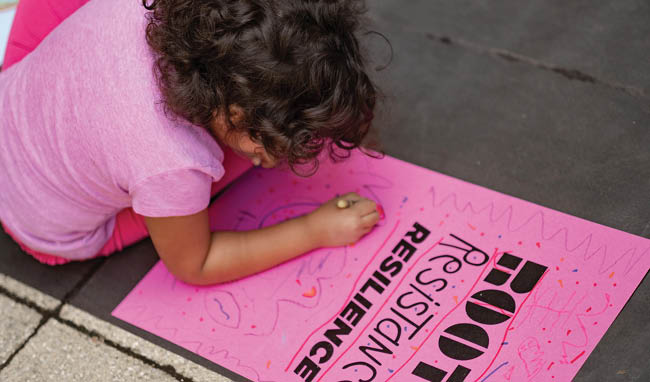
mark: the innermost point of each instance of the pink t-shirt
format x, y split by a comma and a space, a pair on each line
82, 136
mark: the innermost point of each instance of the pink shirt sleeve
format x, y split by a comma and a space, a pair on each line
174, 193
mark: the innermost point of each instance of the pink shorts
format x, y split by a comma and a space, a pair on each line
129, 229
34, 20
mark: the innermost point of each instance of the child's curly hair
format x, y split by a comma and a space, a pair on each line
294, 67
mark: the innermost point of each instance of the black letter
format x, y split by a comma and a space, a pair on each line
372, 283
367, 304
406, 247
418, 278
459, 351
355, 313
471, 249
398, 333
509, 261
307, 369
527, 277
417, 327
329, 350
386, 266
433, 374
418, 230
493, 297
342, 329
413, 305
369, 366
379, 276
382, 349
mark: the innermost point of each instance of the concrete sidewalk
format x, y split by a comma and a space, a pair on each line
45, 339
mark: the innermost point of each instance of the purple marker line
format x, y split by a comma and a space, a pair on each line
494, 371
221, 307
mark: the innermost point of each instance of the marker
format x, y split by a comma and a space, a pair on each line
380, 210
342, 203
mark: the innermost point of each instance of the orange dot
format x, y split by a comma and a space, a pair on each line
310, 293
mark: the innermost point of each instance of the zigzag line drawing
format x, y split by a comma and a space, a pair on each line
508, 214
240, 365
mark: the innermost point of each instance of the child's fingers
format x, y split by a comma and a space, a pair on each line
368, 212
370, 220
365, 206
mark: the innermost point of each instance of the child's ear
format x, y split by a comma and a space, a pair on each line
236, 114
218, 124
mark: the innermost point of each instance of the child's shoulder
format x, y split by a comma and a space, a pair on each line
104, 26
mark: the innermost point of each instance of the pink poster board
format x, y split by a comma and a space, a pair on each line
458, 283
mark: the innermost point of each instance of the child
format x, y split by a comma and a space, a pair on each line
116, 122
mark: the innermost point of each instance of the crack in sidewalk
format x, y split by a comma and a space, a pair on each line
571, 74
47, 314
169, 369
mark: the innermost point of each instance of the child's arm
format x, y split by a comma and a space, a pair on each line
196, 256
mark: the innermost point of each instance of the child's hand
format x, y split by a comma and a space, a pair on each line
332, 226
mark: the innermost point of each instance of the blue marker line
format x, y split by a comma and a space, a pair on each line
494, 371
221, 307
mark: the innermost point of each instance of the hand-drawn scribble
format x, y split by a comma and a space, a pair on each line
531, 354
223, 308
507, 216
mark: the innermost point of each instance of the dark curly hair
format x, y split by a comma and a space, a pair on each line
294, 67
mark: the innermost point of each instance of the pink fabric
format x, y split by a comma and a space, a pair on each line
64, 171
34, 20
130, 227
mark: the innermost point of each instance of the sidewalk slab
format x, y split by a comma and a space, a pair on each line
17, 323
28, 293
60, 353
140, 346
604, 39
